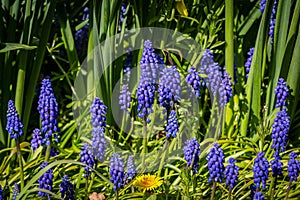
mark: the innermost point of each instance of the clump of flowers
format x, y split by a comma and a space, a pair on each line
215, 163
231, 173
172, 125
194, 80
37, 139
192, 153
147, 182
87, 157
98, 143
273, 21
98, 111
169, 87
16, 191
280, 129
125, 98
14, 125
131, 169
48, 109
293, 167
248, 62
67, 189
258, 196
225, 89
281, 92
117, 171
45, 181
276, 166
145, 95
260, 170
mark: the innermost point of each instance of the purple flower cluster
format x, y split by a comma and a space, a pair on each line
273, 21
258, 196
122, 15
169, 87
192, 153
194, 80
98, 143
87, 157
125, 98
231, 173
276, 166
45, 181
262, 4
260, 170
117, 171
215, 163
131, 169
151, 64
172, 125
248, 62
1, 193
293, 167
225, 90
37, 139
145, 96
281, 92
98, 111
280, 129
81, 36
48, 109
14, 125
66, 189
16, 191
98, 120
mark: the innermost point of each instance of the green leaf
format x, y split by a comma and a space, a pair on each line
5, 47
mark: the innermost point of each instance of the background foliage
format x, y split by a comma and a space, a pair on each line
38, 39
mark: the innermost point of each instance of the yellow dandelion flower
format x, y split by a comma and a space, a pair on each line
147, 182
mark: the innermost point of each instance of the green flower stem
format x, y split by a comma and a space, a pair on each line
144, 140
288, 190
20, 162
229, 53
229, 194
86, 187
117, 195
273, 186
47, 156
213, 190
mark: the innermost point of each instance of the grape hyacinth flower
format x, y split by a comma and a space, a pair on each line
215, 163
122, 15
231, 173
194, 80
248, 62
192, 153
280, 129
82, 35
37, 139
98, 143
281, 92
117, 171
225, 90
213, 72
53, 152
14, 125
169, 87
98, 111
48, 109
87, 157
252, 191
131, 169
16, 191
293, 167
258, 196
45, 181
273, 21
262, 4
125, 98
172, 125
127, 66
276, 166
1, 193
67, 189
260, 170
151, 64
145, 96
